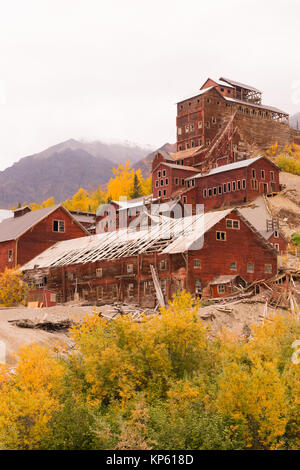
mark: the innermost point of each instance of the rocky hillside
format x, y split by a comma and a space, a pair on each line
61, 170
145, 163
295, 121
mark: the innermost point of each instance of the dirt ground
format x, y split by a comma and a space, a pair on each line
238, 320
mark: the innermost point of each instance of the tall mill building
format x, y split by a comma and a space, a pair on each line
233, 113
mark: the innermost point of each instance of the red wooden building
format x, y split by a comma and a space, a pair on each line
28, 233
233, 184
186, 253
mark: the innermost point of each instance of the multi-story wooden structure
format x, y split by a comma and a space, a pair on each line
193, 253
28, 233
202, 117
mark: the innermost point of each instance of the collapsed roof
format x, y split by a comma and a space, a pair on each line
166, 235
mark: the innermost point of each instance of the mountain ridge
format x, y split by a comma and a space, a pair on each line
60, 170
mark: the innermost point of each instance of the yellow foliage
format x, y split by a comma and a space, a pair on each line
12, 287
121, 184
28, 399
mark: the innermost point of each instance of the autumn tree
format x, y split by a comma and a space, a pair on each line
12, 287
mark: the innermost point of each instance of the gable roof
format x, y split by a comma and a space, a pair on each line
15, 227
238, 84
199, 93
177, 167
217, 83
231, 166
5, 214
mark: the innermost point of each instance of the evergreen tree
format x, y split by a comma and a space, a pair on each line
137, 188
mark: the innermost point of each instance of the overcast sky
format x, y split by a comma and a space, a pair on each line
113, 70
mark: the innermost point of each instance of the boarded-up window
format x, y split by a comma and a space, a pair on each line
130, 289
129, 268
99, 272
250, 268
114, 289
163, 285
268, 268
99, 290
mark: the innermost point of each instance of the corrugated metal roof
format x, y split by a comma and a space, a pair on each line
180, 167
198, 93
260, 106
241, 85
223, 279
229, 167
5, 214
167, 236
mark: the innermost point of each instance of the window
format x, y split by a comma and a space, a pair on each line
164, 173
239, 184
215, 191
262, 174
10, 255
193, 143
207, 141
250, 268
233, 185
197, 263
268, 268
254, 184
192, 127
233, 266
182, 182
159, 174
221, 289
272, 175
221, 236
167, 181
229, 187
180, 148
147, 287
253, 174
58, 225
129, 268
276, 234
130, 289
204, 193
220, 189
179, 131
207, 124
277, 246
99, 272
224, 188
176, 181
114, 289
99, 291
164, 192
187, 129
244, 184
198, 287
213, 120
163, 265
156, 183
210, 192
159, 193
230, 223
199, 124
163, 285
184, 199
161, 182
